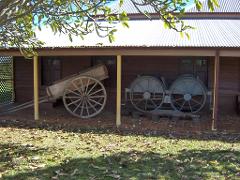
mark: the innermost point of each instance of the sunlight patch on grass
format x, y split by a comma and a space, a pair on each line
43, 154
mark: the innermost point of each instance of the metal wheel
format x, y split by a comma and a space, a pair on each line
188, 94
147, 93
85, 97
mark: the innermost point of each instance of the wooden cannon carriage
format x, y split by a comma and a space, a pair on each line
83, 94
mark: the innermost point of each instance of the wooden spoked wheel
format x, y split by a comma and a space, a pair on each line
188, 95
85, 97
147, 93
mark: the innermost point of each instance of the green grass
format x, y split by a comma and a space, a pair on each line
42, 154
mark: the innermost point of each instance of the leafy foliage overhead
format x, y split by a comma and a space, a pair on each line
20, 18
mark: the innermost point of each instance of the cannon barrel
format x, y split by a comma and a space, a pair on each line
56, 90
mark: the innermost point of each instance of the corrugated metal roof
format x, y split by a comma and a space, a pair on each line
225, 6
146, 33
129, 7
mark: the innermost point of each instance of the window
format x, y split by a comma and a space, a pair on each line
51, 70
107, 60
197, 67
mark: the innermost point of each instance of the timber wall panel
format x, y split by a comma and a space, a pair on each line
229, 80
168, 67
74, 64
23, 79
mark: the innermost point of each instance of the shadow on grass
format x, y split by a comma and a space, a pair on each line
224, 137
12, 155
193, 164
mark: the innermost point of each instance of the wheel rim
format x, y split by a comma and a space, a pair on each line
188, 95
147, 93
85, 97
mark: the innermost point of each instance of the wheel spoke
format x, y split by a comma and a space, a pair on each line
190, 106
198, 95
146, 104
82, 85
86, 88
77, 88
73, 102
178, 99
155, 105
72, 92
77, 106
95, 92
87, 108
137, 99
178, 103
139, 102
195, 101
182, 105
95, 102
102, 96
94, 85
82, 108
73, 97
92, 106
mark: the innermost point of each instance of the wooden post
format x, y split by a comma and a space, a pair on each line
35, 87
119, 82
215, 91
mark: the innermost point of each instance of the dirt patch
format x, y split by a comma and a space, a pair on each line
59, 118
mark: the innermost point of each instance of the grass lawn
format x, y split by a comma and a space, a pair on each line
43, 154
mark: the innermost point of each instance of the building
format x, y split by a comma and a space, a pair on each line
146, 48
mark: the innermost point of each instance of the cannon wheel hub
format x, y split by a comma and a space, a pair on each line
187, 97
146, 95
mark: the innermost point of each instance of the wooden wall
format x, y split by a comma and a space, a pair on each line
167, 67
23, 78
74, 64
24, 74
229, 81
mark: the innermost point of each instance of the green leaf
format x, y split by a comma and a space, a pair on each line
181, 34
188, 36
121, 3
70, 37
111, 38
215, 2
210, 5
125, 24
166, 25
147, 14
198, 5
